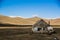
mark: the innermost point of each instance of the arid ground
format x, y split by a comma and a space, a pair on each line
17, 29
25, 34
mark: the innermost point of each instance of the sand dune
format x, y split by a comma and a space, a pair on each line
55, 21
23, 21
33, 19
27, 21
9, 20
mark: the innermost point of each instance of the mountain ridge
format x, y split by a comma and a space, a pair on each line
27, 21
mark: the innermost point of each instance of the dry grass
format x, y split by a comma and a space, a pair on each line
6, 19
25, 34
55, 21
33, 20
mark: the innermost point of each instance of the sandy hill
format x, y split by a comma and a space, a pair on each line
6, 19
17, 20
55, 21
33, 19
23, 21
27, 21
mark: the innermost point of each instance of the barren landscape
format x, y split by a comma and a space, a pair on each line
21, 29
26, 34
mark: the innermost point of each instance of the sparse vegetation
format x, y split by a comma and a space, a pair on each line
24, 34
18, 33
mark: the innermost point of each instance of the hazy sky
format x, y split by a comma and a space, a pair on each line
29, 8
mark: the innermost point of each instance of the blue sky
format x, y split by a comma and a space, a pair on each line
29, 8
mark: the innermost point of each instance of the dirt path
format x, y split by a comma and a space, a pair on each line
13, 27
